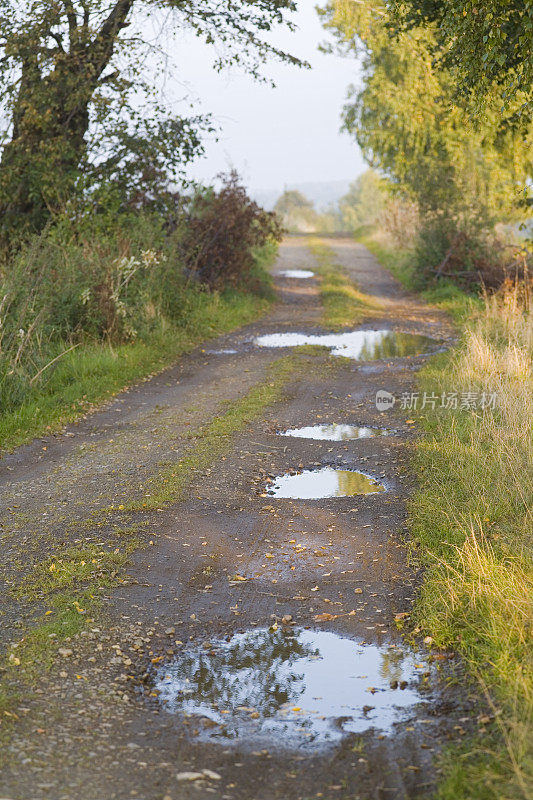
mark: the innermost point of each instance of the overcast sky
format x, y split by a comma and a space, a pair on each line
274, 137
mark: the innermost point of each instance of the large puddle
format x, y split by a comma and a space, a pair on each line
334, 432
290, 687
296, 273
361, 345
325, 482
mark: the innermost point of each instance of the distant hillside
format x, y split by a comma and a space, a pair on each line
321, 194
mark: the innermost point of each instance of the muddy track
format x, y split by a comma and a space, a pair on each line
93, 727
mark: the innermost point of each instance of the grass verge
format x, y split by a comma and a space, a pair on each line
446, 295
472, 519
344, 305
93, 372
470, 523
66, 588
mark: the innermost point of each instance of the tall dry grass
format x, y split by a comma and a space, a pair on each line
473, 518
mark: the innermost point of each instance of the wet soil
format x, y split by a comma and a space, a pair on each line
224, 561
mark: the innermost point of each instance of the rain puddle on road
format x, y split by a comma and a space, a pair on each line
361, 345
296, 273
227, 352
325, 482
334, 432
289, 687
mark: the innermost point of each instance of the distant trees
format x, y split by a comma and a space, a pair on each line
296, 212
419, 127
78, 110
364, 202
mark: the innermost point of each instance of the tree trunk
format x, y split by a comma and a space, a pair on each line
41, 163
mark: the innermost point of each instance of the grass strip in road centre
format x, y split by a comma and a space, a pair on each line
70, 582
216, 438
344, 304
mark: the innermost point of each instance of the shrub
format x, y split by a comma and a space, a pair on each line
220, 232
97, 278
466, 253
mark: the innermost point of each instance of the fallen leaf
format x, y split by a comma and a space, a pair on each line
190, 776
324, 617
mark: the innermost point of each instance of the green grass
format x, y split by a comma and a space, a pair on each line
471, 521
470, 527
446, 295
92, 373
216, 438
69, 583
344, 305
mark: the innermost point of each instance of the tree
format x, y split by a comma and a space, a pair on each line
71, 81
489, 44
297, 213
410, 125
364, 201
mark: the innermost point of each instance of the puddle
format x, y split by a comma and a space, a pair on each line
325, 482
334, 432
290, 687
361, 345
222, 352
296, 273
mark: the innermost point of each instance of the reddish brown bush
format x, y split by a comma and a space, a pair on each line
221, 230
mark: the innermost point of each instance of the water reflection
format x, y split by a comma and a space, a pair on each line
296, 273
325, 482
290, 686
360, 345
334, 432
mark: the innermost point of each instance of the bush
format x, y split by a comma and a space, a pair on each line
468, 254
220, 232
96, 279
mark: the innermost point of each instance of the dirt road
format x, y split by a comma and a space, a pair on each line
198, 623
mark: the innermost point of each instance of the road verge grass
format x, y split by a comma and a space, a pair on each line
470, 527
92, 373
471, 521
66, 587
344, 304
399, 261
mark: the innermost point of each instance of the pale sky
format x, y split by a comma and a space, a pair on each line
273, 137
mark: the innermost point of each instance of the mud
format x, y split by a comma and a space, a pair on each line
225, 560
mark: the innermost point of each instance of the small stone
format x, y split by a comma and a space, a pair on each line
190, 776
65, 652
170, 631
214, 776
